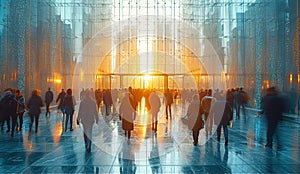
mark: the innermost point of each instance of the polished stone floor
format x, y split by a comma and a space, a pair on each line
169, 151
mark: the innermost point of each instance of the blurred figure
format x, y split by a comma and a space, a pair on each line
127, 115
34, 105
133, 98
242, 99
206, 104
127, 160
169, 102
48, 100
69, 108
195, 118
155, 104
87, 115
107, 99
222, 113
60, 99
21, 108
9, 108
154, 159
99, 98
273, 106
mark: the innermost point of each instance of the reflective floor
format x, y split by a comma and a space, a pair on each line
169, 151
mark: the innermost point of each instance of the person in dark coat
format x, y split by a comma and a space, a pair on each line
222, 113
21, 108
69, 108
206, 103
273, 106
48, 100
195, 122
87, 115
169, 102
9, 103
34, 105
127, 115
107, 99
155, 104
60, 99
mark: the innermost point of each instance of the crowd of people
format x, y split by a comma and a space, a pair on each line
205, 108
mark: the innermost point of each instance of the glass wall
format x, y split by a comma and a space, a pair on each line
141, 42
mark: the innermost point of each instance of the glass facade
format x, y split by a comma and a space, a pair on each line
151, 43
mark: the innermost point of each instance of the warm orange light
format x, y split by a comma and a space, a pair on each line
291, 78
57, 80
298, 78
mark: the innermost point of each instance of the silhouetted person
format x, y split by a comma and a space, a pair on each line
169, 102
69, 108
155, 104
88, 115
48, 101
10, 109
21, 108
127, 115
195, 121
60, 99
241, 101
222, 113
107, 99
99, 98
273, 106
206, 104
34, 105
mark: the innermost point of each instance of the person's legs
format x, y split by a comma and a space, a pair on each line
218, 133
167, 112
270, 131
47, 109
225, 129
195, 136
170, 111
31, 122
20, 116
14, 122
71, 122
36, 122
66, 121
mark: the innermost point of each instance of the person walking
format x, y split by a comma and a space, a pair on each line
155, 104
222, 113
34, 105
21, 108
48, 100
69, 108
169, 102
87, 115
206, 104
195, 122
9, 105
127, 115
273, 106
60, 98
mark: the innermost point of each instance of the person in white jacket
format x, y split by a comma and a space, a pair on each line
88, 115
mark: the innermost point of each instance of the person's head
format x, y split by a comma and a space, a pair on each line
69, 91
34, 92
130, 89
49, 89
209, 92
196, 97
271, 90
18, 92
